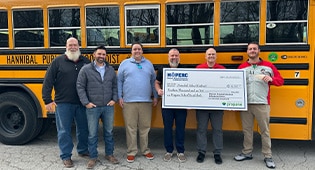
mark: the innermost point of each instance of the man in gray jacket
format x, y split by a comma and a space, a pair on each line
97, 90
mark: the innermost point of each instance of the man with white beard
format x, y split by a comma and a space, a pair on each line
62, 76
172, 115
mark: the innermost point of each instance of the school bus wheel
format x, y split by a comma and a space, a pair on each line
47, 122
18, 119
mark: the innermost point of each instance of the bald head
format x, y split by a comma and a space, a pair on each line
173, 57
211, 56
72, 49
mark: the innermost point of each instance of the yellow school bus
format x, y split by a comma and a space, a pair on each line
34, 32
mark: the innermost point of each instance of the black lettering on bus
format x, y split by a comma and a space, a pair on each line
112, 58
21, 59
89, 56
47, 59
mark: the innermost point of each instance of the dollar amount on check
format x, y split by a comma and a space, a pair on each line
217, 89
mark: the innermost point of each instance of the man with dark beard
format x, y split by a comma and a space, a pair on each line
171, 115
97, 89
62, 76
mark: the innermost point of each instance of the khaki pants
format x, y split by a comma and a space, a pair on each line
137, 116
262, 114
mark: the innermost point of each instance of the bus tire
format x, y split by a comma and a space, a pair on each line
46, 125
18, 119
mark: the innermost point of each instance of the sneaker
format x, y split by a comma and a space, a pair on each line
68, 163
149, 156
112, 159
200, 157
130, 158
181, 157
168, 157
269, 163
217, 159
91, 164
242, 157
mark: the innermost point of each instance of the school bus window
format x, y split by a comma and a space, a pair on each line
4, 36
28, 28
142, 24
189, 35
238, 33
286, 21
189, 24
63, 23
102, 25
239, 26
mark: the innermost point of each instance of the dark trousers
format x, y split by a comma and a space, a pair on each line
179, 116
216, 119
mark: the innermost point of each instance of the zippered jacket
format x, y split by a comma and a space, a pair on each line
258, 91
91, 87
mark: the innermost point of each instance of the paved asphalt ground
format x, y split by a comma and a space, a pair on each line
43, 154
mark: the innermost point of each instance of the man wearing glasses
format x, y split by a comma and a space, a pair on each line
135, 80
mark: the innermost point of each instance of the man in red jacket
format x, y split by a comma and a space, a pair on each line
259, 75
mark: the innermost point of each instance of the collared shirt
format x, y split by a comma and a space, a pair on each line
136, 80
100, 69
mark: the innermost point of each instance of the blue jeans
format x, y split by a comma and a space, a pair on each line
65, 114
106, 113
179, 115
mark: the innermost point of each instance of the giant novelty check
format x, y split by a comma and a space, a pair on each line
217, 89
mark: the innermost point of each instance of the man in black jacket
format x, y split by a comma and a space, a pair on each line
62, 77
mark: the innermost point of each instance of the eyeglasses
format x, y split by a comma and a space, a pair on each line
139, 66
